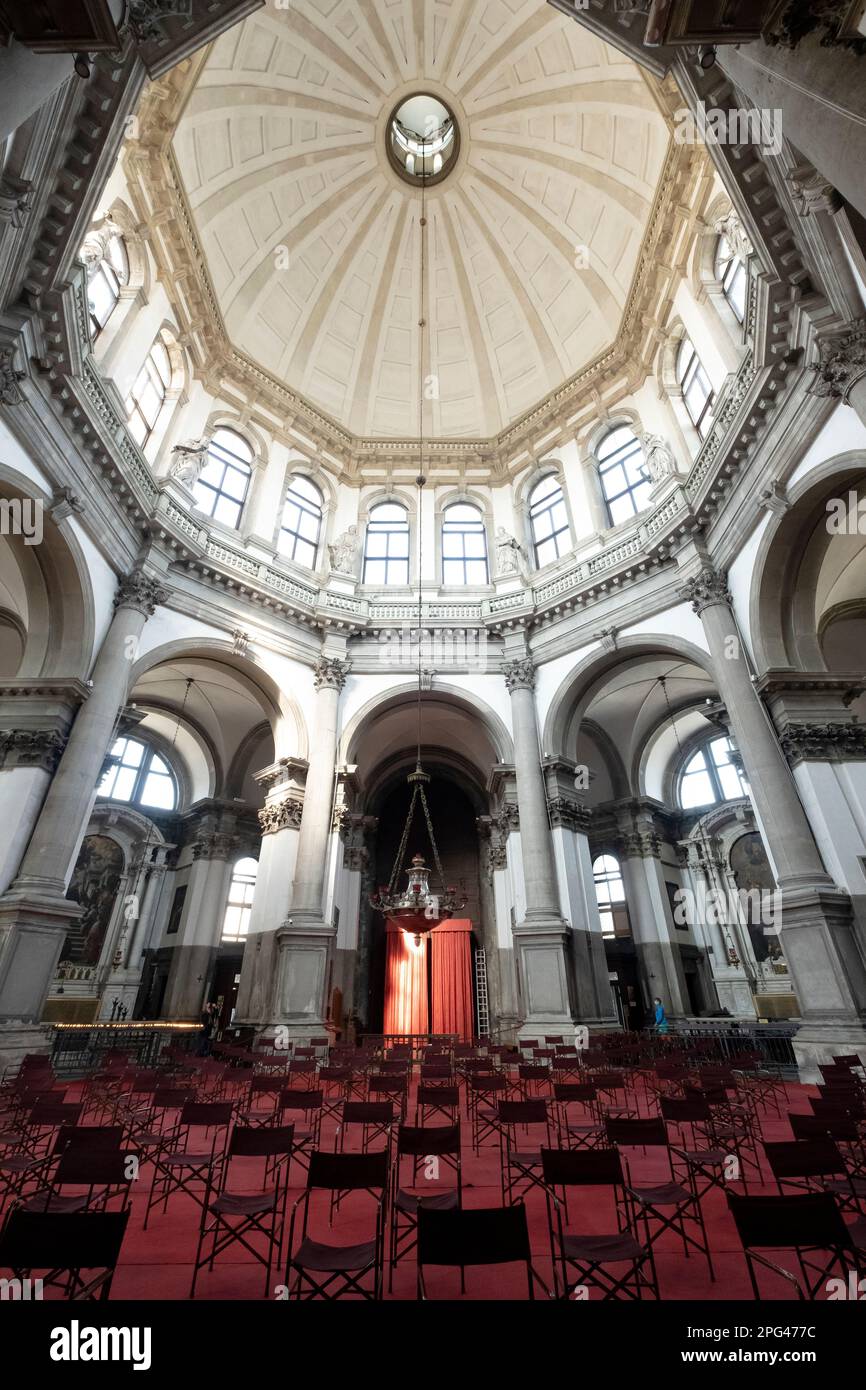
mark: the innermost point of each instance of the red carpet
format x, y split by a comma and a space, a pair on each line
156, 1263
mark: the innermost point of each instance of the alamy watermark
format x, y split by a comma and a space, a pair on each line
733, 906
750, 125
21, 516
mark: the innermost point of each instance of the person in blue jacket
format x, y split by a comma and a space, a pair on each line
661, 1018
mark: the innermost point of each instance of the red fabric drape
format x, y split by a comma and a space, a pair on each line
452, 978
405, 983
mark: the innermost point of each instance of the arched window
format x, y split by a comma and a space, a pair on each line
698, 394
464, 545
610, 895
709, 777
140, 777
236, 922
622, 471
147, 396
105, 279
386, 545
548, 520
222, 486
301, 526
730, 270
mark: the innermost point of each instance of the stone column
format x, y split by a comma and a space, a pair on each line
639, 847
305, 939
35, 913
541, 939
817, 936
841, 370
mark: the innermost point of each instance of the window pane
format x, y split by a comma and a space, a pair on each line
235, 483
124, 784
697, 790
730, 783
158, 791
476, 572
546, 551
621, 509
132, 753
226, 511
374, 572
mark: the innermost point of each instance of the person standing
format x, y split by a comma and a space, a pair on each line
661, 1018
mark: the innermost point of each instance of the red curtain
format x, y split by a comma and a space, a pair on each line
405, 983
452, 978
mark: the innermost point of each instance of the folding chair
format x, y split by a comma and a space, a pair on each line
708, 1163
165, 1102
808, 1165
64, 1244
806, 1224
305, 1068
180, 1165
588, 1255
304, 1107
586, 1132
522, 1125
841, 1128
375, 1119
258, 1213
481, 1099
421, 1144
437, 1100
669, 1205
393, 1088
318, 1265
533, 1079
477, 1236
106, 1173
613, 1094
261, 1102
335, 1083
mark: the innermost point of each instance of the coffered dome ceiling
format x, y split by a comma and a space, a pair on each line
312, 238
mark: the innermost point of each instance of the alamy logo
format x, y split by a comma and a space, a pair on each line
21, 516
20, 1290
733, 126
77, 1343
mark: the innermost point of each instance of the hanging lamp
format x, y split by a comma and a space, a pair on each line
419, 906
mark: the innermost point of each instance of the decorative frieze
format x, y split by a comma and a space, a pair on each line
329, 672
708, 588
40, 748
138, 591
569, 814
824, 743
281, 815
519, 674
842, 362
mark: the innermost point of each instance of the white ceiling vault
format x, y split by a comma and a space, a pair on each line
312, 240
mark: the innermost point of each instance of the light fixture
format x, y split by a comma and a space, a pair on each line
420, 906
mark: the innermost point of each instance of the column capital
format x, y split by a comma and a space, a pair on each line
330, 672
707, 589
519, 674
40, 748
842, 362
138, 591
278, 815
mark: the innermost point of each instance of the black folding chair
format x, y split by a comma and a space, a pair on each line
808, 1165
233, 1215
437, 1100
586, 1131
483, 1094
393, 1088
318, 1266
335, 1083
183, 1166
524, 1130
105, 1173
702, 1166
302, 1108
581, 1260
808, 1225
669, 1205
261, 1101
476, 1236
64, 1244
375, 1120
425, 1146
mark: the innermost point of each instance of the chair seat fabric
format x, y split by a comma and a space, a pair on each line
409, 1203
243, 1203
667, 1194
331, 1259
602, 1249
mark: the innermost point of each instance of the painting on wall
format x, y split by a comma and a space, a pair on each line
753, 875
94, 884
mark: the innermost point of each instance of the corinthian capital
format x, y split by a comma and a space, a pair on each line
138, 591
519, 674
842, 362
330, 672
709, 587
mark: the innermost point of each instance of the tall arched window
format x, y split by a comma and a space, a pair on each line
610, 894
222, 486
236, 922
301, 526
698, 394
621, 469
548, 521
105, 279
386, 545
709, 777
147, 396
464, 545
730, 270
140, 777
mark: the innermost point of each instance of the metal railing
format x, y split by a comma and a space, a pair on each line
81, 1047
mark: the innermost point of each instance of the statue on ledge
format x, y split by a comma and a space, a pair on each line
509, 554
658, 459
343, 552
187, 461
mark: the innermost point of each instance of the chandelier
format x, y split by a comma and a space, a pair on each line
419, 906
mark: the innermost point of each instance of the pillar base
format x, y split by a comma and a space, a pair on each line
33, 928
18, 1039
543, 950
818, 1043
302, 977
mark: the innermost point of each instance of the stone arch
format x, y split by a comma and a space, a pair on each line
404, 695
